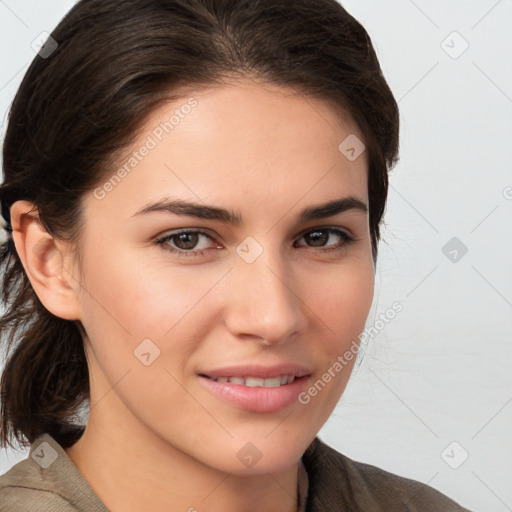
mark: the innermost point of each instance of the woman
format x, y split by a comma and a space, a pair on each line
194, 189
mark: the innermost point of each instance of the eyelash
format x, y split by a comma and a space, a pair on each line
161, 241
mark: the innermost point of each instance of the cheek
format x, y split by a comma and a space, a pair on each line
142, 327
342, 301
140, 297
130, 300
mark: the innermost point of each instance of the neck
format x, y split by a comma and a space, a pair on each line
133, 469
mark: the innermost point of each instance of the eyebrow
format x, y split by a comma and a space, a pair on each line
202, 211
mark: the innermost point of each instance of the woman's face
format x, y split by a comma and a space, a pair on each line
256, 290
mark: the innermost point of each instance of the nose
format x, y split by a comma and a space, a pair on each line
263, 302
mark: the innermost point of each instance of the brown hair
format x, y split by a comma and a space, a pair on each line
79, 106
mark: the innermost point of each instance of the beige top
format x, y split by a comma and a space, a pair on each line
48, 481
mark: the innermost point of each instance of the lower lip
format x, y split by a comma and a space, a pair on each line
256, 399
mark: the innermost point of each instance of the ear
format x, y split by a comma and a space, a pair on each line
44, 261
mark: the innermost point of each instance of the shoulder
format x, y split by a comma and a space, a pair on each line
16, 498
46, 480
335, 479
23, 487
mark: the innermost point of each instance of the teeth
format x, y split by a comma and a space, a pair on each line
254, 382
272, 383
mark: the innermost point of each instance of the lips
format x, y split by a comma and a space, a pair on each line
262, 389
258, 371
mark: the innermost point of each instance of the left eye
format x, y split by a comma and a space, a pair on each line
319, 236
185, 242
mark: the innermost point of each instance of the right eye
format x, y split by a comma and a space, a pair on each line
184, 242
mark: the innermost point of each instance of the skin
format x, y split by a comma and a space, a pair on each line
156, 438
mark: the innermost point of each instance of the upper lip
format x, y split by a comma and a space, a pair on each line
255, 370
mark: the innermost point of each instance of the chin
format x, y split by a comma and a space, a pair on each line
254, 456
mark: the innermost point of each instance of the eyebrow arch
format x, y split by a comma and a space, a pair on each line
202, 211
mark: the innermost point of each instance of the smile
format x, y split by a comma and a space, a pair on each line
255, 382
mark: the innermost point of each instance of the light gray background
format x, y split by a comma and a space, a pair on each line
440, 372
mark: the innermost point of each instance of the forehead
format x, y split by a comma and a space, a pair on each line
241, 140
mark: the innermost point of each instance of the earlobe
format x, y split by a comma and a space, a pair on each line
43, 260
